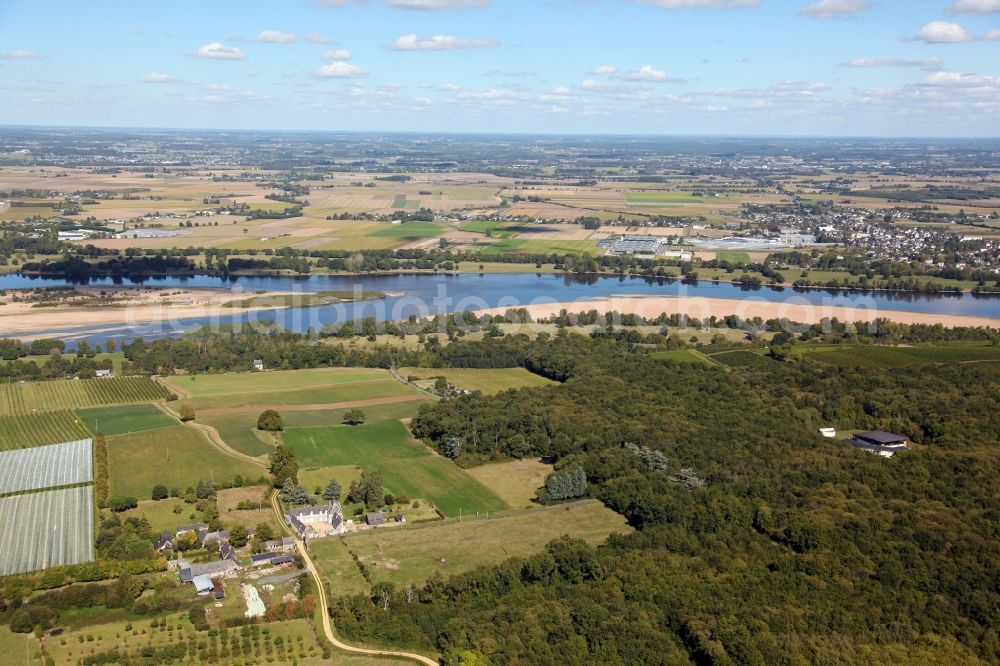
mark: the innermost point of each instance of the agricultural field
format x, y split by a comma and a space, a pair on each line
333, 558
680, 356
733, 257
214, 395
229, 499
741, 358
161, 514
411, 230
489, 380
528, 246
177, 457
660, 198
515, 482
18, 649
407, 467
239, 430
125, 418
26, 430
74, 393
412, 554
317, 477
64, 536
46, 466
896, 357
286, 642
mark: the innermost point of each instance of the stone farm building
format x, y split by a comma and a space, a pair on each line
311, 522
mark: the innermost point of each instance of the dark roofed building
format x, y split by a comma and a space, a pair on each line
882, 443
165, 542
218, 568
284, 558
376, 518
260, 559
218, 589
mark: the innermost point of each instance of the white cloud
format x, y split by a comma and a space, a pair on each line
276, 37
604, 69
340, 70
992, 35
337, 54
959, 80
431, 5
218, 51
316, 38
975, 7
867, 63
21, 54
439, 43
645, 73
825, 9
450, 87
700, 4
218, 86
158, 77
943, 32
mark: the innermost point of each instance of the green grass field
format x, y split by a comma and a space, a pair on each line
412, 554
895, 357
742, 358
160, 514
276, 380
17, 649
71, 394
27, 430
496, 228
407, 230
295, 387
523, 246
178, 456
240, 432
125, 418
489, 381
680, 356
318, 477
407, 467
655, 198
733, 257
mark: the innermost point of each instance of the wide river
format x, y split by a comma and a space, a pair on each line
427, 295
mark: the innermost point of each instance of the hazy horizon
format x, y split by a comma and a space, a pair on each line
812, 68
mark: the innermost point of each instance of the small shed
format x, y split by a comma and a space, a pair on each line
203, 584
376, 518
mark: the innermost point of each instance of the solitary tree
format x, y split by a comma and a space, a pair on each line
160, 492
451, 447
187, 413
284, 466
294, 493
270, 420
354, 417
332, 492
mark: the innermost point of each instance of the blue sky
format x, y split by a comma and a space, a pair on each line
749, 67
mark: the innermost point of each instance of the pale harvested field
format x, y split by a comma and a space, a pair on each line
643, 231
231, 497
747, 308
514, 482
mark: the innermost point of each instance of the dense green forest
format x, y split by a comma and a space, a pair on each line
757, 542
